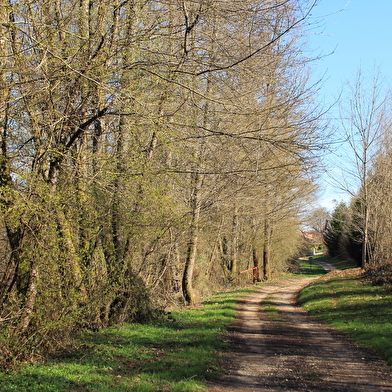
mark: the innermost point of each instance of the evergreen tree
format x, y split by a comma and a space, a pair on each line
335, 230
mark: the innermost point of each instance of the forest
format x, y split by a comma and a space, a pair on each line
150, 151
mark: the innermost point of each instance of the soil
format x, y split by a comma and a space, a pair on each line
295, 353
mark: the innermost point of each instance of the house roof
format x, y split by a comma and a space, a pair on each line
312, 236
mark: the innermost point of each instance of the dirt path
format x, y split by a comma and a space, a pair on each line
295, 353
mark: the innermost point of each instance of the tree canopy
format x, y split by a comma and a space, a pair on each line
150, 150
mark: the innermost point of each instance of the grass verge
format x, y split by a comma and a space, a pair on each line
358, 309
179, 353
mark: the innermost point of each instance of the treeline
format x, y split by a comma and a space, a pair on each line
150, 150
345, 234
361, 229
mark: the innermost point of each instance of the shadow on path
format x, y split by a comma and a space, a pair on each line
294, 353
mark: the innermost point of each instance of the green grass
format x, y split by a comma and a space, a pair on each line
183, 352
356, 308
271, 309
310, 269
339, 263
180, 353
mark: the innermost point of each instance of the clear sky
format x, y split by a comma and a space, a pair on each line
349, 35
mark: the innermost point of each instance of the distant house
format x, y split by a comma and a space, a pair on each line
314, 241
313, 236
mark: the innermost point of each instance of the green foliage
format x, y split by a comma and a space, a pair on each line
358, 309
107, 117
354, 232
343, 236
179, 352
336, 227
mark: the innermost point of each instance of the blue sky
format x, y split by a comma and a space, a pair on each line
358, 34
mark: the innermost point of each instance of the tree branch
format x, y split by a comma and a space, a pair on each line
83, 127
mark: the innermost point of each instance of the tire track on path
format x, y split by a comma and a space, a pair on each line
295, 353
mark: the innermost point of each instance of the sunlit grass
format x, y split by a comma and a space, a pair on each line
270, 309
308, 268
358, 309
180, 353
339, 263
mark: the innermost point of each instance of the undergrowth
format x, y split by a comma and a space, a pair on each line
182, 351
379, 274
179, 352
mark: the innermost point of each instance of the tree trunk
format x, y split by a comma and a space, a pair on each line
256, 264
31, 297
365, 246
67, 240
234, 250
14, 234
267, 250
187, 279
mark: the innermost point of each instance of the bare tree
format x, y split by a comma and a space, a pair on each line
364, 124
131, 134
379, 196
